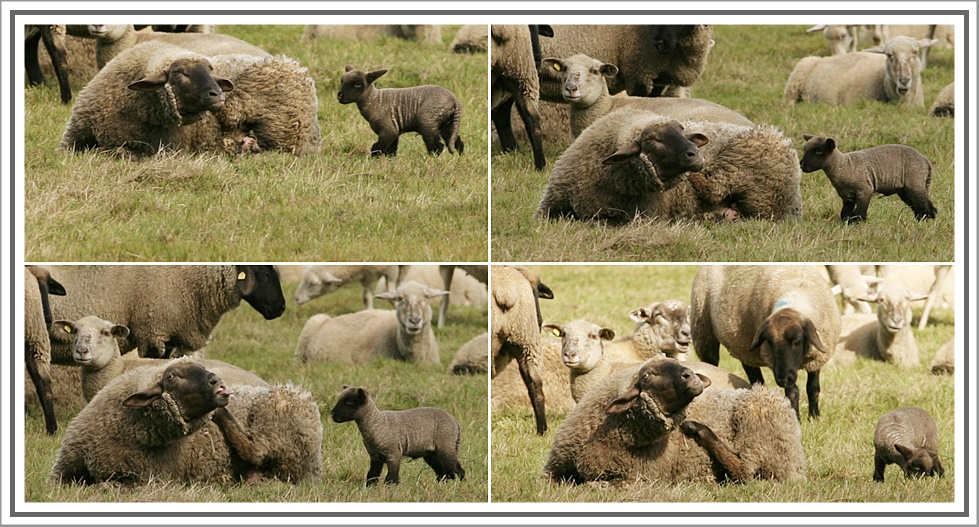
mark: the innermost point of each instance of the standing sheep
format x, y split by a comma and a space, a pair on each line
907, 437
53, 37
858, 175
319, 280
390, 435
514, 80
781, 317
479, 272
887, 335
402, 334
38, 286
431, 111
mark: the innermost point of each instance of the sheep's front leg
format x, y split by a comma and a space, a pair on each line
725, 463
504, 128
812, 393
879, 465
374, 472
387, 143
394, 470
34, 74
535, 389
40, 374
241, 442
754, 374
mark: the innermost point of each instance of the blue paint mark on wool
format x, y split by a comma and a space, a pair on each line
780, 304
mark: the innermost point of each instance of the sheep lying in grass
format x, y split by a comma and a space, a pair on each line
472, 38
661, 328
858, 175
472, 357
111, 40
627, 427
432, 111
943, 363
319, 280
888, 73
429, 34
887, 335
390, 435
38, 285
944, 105
907, 437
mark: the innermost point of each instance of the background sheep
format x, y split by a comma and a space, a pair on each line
887, 335
404, 333
888, 73
858, 175
53, 37
852, 285
944, 105
432, 111
472, 38
390, 435
514, 80
429, 34
111, 40
472, 357
782, 317
841, 38
907, 437
447, 272
319, 280
943, 363
661, 328
38, 286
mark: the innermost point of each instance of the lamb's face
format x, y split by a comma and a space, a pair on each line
351, 400
582, 343
195, 390
355, 83
817, 149
93, 339
917, 462
663, 153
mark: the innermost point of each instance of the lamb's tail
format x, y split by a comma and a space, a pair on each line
454, 142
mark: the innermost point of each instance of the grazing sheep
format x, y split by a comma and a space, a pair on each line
431, 111
841, 38
908, 438
782, 317
404, 333
429, 34
479, 272
858, 175
319, 280
887, 335
514, 80
515, 330
853, 285
111, 40
888, 73
473, 38
54, 38
944, 105
943, 363
154, 422
626, 429
38, 286
169, 310
390, 435
472, 357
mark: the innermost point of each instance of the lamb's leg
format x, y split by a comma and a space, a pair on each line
374, 472
31, 62
445, 466
394, 470
535, 389
879, 465
812, 393
923, 208
432, 143
387, 144
726, 464
240, 441
40, 374
859, 211
504, 129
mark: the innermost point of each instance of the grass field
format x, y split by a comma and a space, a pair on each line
336, 205
267, 348
746, 71
838, 446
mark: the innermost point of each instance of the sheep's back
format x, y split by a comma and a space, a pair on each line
353, 337
843, 79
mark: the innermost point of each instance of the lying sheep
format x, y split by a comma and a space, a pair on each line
154, 422
429, 34
888, 73
471, 38
661, 328
472, 357
841, 38
402, 334
38, 286
169, 310
390, 435
111, 40
54, 38
479, 272
943, 363
858, 175
944, 105
319, 280
432, 111
908, 438
514, 80
626, 428
781, 317
887, 335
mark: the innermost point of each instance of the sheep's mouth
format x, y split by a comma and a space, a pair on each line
413, 329
682, 347
571, 363
82, 360
903, 91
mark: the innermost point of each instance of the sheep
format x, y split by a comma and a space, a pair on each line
858, 175
887, 335
319, 280
888, 73
908, 438
514, 80
402, 334
586, 92
54, 38
661, 328
427, 34
464, 289
472, 357
841, 38
38, 286
626, 428
479, 272
944, 105
390, 435
650, 58
781, 317
852, 284
473, 38
169, 310
515, 327
112, 40
155, 422
430, 110
943, 363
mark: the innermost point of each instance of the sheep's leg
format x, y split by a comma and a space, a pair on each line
847, 212
792, 393
446, 272
504, 129
40, 374
445, 466
529, 111
812, 393
922, 206
368, 295
726, 464
754, 374
535, 389
862, 204
240, 441
55, 44
941, 272
374, 472
432, 143
394, 470
879, 465
31, 62
387, 144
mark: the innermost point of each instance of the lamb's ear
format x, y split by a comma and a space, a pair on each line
608, 70
225, 84
374, 75
830, 144
553, 330
905, 451
361, 394
144, 398
698, 139
813, 335
624, 154
347, 68
807, 136
119, 331
151, 82
640, 315
606, 334
623, 402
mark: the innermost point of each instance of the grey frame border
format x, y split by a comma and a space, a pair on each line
12, 358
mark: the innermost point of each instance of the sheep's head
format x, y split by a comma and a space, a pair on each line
583, 78
259, 286
582, 343
667, 323
662, 152
893, 305
784, 340
412, 305
666, 382
904, 61
191, 81
312, 285
355, 83
195, 390
93, 339
918, 462
665, 37
817, 150
348, 405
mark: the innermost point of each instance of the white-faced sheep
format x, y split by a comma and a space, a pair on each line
111, 40
319, 280
943, 363
479, 272
515, 327
858, 175
53, 37
781, 317
841, 38
661, 328
429, 34
944, 105
852, 284
38, 286
431, 111
887, 335
154, 422
404, 333
471, 38
888, 73
638, 423
908, 438
514, 80
390, 435
169, 310
472, 357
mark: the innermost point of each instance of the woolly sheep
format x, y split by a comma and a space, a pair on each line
390, 435
169, 310
514, 80
782, 317
626, 429
515, 327
431, 111
38, 286
319, 280
858, 175
661, 328
404, 333
888, 73
479, 272
887, 335
852, 284
471, 38
472, 357
464, 289
908, 438
429, 34
944, 105
111, 40
154, 422
943, 363
56, 45
841, 38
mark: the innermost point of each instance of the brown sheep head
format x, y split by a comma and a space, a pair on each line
918, 462
663, 153
192, 83
817, 150
789, 336
195, 390
671, 385
355, 83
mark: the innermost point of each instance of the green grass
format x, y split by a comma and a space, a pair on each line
267, 348
746, 71
838, 446
335, 205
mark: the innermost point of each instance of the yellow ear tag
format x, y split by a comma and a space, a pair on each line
556, 332
557, 67
67, 329
241, 275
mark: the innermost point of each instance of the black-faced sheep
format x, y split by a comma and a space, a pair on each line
431, 111
319, 280
781, 317
858, 175
944, 105
390, 435
169, 310
907, 437
53, 37
38, 286
889, 73
429, 34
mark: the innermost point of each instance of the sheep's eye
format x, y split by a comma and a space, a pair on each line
358, 85
819, 152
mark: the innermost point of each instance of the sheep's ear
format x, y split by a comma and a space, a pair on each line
609, 70
553, 64
813, 335
544, 292
760, 337
347, 68
830, 144
62, 330
623, 402
361, 394
150, 83
698, 139
926, 43
432, 293
640, 315
623, 155
915, 297
144, 398
245, 280
374, 75
225, 84
705, 380
553, 330
330, 278
393, 296
814, 29
119, 331
56, 289
545, 30
875, 49
606, 334
869, 297
807, 136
